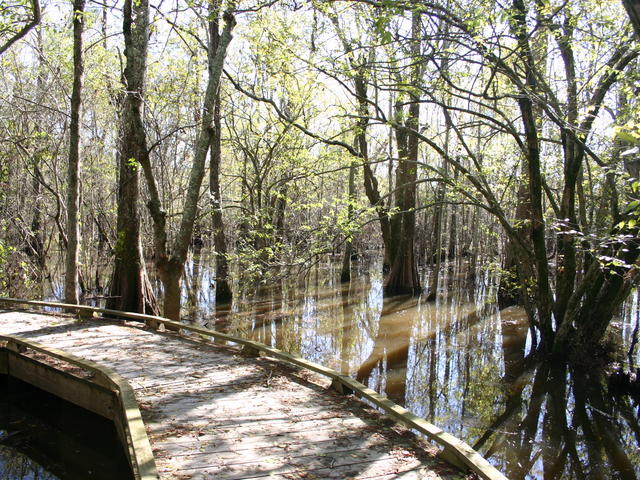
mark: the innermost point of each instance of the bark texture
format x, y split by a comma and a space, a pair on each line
170, 261
73, 172
403, 277
633, 10
223, 287
130, 289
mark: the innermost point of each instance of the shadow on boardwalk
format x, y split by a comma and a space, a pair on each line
212, 412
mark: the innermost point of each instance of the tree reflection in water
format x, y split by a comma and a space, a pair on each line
390, 350
16, 466
459, 362
566, 427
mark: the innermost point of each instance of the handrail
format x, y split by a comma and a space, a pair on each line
141, 457
455, 450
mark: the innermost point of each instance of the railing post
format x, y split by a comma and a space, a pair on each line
152, 323
85, 314
250, 351
15, 346
449, 455
339, 387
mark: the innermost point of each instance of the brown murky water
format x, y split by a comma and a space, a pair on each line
459, 362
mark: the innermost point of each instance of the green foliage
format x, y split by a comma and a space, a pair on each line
5, 252
133, 164
14, 14
16, 275
629, 132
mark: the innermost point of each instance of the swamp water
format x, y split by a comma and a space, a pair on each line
45, 438
459, 362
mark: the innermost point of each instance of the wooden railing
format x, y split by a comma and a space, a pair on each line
454, 450
106, 393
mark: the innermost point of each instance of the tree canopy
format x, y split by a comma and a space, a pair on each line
281, 131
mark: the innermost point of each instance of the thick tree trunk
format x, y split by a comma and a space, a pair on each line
512, 285
73, 176
599, 295
543, 294
130, 289
403, 278
171, 274
223, 289
512, 289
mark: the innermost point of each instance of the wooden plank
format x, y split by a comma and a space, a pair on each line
402, 473
347, 465
332, 446
321, 438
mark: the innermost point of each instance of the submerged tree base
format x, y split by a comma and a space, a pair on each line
625, 383
397, 290
224, 293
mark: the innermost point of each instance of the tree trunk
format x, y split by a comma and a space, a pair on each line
345, 273
510, 289
543, 294
178, 255
224, 293
223, 289
371, 190
437, 252
438, 217
171, 274
73, 177
633, 10
403, 278
36, 240
370, 182
130, 289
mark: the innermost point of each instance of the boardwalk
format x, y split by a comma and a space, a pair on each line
211, 412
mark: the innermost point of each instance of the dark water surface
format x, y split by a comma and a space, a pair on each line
459, 362
45, 438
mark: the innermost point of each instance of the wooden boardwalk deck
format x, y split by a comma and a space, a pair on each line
211, 412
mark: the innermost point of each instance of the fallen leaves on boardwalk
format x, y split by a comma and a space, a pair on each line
212, 412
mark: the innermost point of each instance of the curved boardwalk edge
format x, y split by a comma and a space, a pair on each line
137, 443
455, 450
